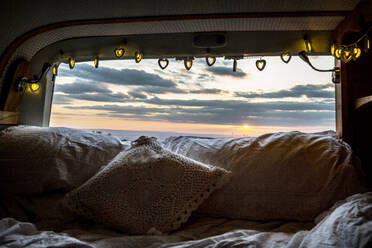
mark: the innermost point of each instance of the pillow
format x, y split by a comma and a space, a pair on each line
146, 189
34, 160
275, 176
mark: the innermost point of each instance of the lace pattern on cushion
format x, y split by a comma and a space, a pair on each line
146, 189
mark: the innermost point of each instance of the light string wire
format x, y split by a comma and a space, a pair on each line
359, 40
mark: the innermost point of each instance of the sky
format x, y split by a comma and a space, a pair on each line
215, 101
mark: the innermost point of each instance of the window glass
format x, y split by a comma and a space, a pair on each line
142, 99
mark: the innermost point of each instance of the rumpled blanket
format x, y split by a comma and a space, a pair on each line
347, 224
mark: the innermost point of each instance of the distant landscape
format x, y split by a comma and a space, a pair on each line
132, 135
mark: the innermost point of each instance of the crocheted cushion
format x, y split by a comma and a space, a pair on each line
146, 189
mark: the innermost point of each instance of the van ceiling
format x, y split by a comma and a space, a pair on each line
19, 17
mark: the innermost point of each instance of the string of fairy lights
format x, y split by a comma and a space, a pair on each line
352, 51
188, 61
343, 52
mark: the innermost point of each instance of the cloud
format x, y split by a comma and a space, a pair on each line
208, 91
81, 87
61, 99
268, 118
88, 91
225, 62
136, 94
205, 77
226, 112
240, 105
114, 76
225, 71
309, 90
139, 111
160, 90
101, 97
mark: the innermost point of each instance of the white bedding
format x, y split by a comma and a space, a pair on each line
285, 175
347, 224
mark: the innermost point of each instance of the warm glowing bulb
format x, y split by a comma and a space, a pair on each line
34, 87
338, 53
119, 52
346, 55
260, 64
188, 64
138, 57
367, 44
286, 57
356, 53
96, 62
333, 48
245, 126
163, 63
55, 70
308, 45
210, 60
71, 63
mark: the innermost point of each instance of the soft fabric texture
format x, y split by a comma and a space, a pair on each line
34, 160
146, 189
21, 234
275, 176
45, 211
347, 224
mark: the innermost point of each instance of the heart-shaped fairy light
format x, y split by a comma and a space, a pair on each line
71, 63
338, 52
119, 52
138, 56
286, 57
333, 48
188, 64
34, 87
55, 70
210, 60
163, 63
356, 52
260, 64
346, 55
96, 62
309, 47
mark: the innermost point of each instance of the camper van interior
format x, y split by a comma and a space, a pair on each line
186, 123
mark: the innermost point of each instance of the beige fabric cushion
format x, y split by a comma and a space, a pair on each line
35, 160
146, 189
290, 175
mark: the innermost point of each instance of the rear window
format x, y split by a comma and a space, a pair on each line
142, 99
